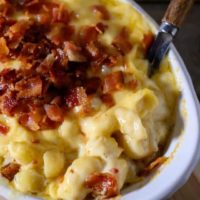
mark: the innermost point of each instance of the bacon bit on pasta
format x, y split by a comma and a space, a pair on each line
153, 165
3, 129
59, 63
74, 52
92, 85
8, 103
93, 50
113, 60
76, 96
29, 88
54, 112
147, 41
28, 121
102, 184
108, 100
9, 171
133, 84
59, 34
16, 32
60, 14
89, 34
100, 27
114, 170
101, 12
4, 50
113, 82
121, 41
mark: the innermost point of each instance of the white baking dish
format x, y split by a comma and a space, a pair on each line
184, 148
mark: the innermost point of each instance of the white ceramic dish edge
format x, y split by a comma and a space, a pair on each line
169, 180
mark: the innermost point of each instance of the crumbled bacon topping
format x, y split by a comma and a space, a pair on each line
29, 88
147, 41
101, 12
121, 41
76, 96
113, 82
9, 171
54, 112
108, 100
153, 165
4, 50
61, 66
74, 52
3, 129
102, 184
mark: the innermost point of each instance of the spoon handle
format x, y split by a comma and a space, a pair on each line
177, 12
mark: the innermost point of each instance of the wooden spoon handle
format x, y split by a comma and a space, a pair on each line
177, 11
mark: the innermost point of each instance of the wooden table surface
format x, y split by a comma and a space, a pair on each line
188, 45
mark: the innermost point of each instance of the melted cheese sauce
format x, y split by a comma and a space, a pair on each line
58, 165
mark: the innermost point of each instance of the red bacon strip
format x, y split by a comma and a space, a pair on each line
121, 41
9, 171
74, 52
147, 41
54, 112
102, 184
3, 129
29, 88
113, 82
76, 96
101, 12
4, 50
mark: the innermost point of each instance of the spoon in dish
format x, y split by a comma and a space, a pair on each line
171, 23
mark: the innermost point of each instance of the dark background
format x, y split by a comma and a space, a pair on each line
187, 41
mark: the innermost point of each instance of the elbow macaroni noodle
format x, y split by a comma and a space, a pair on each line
140, 120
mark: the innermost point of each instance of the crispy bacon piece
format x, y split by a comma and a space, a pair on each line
60, 14
113, 60
121, 41
76, 96
92, 85
74, 52
153, 165
130, 81
8, 103
101, 12
61, 58
46, 64
31, 87
6, 9
26, 3
102, 185
147, 41
61, 33
54, 112
4, 50
16, 33
3, 129
59, 78
2, 23
100, 27
113, 82
93, 49
28, 121
9, 171
132, 84
108, 100
89, 34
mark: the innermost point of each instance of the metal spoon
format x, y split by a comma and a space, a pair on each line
171, 23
